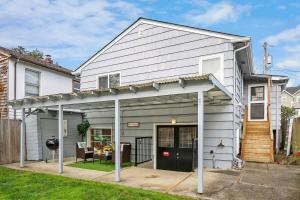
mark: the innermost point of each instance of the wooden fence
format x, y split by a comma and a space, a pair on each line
9, 141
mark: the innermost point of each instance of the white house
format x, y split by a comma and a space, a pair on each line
192, 91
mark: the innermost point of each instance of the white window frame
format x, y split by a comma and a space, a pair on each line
40, 74
108, 74
102, 127
297, 99
208, 57
265, 101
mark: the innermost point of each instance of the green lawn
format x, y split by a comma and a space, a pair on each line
15, 184
106, 166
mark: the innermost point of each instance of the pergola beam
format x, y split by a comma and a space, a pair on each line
200, 141
60, 140
22, 138
117, 141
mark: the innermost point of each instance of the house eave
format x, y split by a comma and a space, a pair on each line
183, 85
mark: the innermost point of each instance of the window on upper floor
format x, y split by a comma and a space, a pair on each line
298, 99
284, 98
32, 83
212, 64
109, 81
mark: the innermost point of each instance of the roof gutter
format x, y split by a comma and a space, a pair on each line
15, 84
235, 158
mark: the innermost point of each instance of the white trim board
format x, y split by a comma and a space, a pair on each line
154, 138
265, 101
230, 37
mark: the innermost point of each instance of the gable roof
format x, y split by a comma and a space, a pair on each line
293, 90
29, 59
228, 36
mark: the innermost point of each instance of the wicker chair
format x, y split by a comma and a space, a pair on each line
125, 153
84, 152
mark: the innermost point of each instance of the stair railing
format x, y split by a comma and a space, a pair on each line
269, 108
245, 121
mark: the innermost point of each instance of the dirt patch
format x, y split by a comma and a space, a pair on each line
152, 176
287, 160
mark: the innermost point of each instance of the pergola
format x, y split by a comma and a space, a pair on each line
205, 90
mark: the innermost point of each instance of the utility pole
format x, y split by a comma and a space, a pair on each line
265, 46
267, 58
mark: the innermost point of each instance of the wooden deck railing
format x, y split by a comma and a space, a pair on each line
245, 121
269, 108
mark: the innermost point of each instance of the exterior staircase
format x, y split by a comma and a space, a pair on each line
257, 144
257, 139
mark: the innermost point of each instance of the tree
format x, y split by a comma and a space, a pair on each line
82, 128
287, 112
20, 50
37, 54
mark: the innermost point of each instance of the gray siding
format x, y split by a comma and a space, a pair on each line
162, 53
49, 127
159, 53
33, 145
273, 102
42, 126
217, 125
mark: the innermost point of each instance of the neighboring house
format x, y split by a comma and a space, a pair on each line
194, 91
23, 76
291, 98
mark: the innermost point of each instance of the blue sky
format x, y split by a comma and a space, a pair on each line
72, 30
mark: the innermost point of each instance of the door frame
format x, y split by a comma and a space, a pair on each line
265, 101
154, 140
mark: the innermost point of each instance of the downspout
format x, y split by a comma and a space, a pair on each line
277, 133
236, 159
15, 85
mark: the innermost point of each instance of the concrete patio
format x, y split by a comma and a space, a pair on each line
254, 181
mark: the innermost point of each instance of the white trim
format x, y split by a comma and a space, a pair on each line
102, 127
161, 24
213, 56
40, 78
107, 74
265, 101
154, 140
289, 93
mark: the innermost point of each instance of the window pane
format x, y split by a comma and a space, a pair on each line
257, 93
114, 80
257, 110
166, 137
186, 136
103, 82
31, 90
212, 66
32, 77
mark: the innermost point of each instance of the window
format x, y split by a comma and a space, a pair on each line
212, 64
32, 82
101, 136
186, 136
298, 99
166, 137
109, 81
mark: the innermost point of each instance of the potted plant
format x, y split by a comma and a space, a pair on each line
82, 128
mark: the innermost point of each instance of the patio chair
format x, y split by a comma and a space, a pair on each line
84, 152
125, 153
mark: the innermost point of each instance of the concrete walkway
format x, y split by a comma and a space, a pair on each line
254, 181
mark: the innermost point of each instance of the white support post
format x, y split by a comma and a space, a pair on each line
60, 139
117, 141
22, 139
200, 142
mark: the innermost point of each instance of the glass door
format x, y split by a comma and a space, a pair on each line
257, 102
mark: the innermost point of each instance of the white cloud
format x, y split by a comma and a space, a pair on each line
217, 13
66, 29
288, 35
